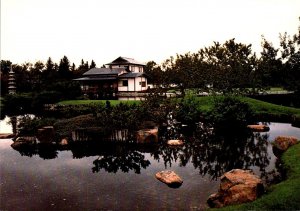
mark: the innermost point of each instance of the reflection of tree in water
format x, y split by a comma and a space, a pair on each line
214, 152
131, 160
43, 151
210, 151
115, 157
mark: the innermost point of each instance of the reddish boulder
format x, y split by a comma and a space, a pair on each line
284, 142
175, 142
170, 178
237, 186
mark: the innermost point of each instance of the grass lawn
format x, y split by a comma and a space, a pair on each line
206, 103
284, 195
258, 106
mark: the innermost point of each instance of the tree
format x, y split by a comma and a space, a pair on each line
35, 74
270, 65
228, 66
154, 73
290, 55
50, 72
82, 68
93, 64
64, 69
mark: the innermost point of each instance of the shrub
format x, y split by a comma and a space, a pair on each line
230, 112
28, 124
187, 111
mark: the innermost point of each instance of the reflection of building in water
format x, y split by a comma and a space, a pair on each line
11, 82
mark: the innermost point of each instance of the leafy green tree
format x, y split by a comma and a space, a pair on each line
154, 73
270, 65
23, 78
229, 66
35, 74
290, 54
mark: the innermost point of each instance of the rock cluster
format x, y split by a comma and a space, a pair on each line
237, 186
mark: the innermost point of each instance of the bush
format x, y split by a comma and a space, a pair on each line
17, 104
230, 112
187, 111
29, 125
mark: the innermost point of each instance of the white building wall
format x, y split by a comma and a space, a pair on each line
131, 84
138, 83
134, 85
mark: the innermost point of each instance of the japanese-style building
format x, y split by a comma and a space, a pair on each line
122, 75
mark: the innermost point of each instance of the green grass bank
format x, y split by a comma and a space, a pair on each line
259, 107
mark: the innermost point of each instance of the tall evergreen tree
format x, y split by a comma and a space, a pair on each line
93, 64
64, 69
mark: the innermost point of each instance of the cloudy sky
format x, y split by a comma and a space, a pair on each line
33, 30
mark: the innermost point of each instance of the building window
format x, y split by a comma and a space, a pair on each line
123, 83
140, 69
143, 83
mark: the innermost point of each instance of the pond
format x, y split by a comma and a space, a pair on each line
107, 176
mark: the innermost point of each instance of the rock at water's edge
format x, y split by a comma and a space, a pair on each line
237, 186
284, 142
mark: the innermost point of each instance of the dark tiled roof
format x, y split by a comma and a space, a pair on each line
131, 75
103, 71
124, 60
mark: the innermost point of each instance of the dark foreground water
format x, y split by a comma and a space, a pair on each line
118, 177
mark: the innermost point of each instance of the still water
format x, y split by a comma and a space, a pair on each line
121, 177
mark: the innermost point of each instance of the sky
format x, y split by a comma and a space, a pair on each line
146, 30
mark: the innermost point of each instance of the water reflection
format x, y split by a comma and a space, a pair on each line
45, 151
211, 152
214, 153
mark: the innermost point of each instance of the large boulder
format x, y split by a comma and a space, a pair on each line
282, 143
259, 128
237, 186
170, 178
146, 136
